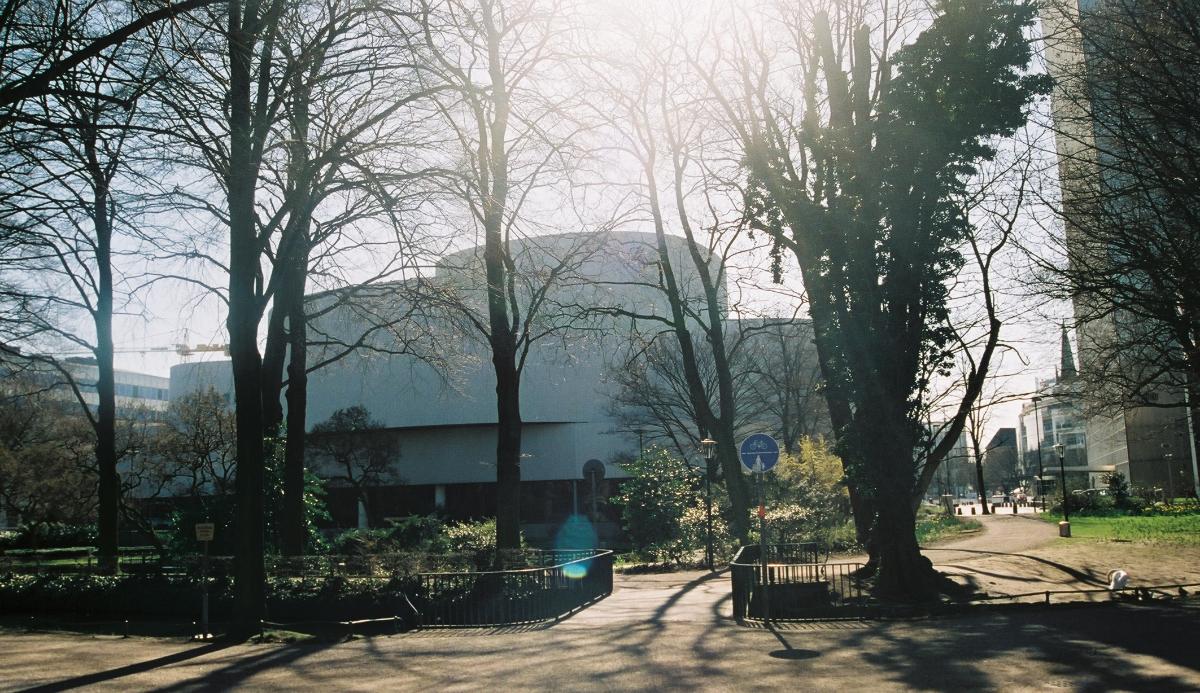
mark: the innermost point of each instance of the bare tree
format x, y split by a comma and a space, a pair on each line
1127, 125
196, 445
508, 144
784, 376
358, 451
44, 449
43, 44
70, 197
685, 189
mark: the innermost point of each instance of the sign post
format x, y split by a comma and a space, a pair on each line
760, 453
204, 534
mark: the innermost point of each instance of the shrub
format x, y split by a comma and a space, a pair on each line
1087, 503
49, 535
694, 531
417, 532
422, 534
470, 537
1118, 488
178, 597
653, 502
363, 542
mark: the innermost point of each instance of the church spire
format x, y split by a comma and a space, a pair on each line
1067, 368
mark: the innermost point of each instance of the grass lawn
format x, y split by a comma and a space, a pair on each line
936, 525
1181, 530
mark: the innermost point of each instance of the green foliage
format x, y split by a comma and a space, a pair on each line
935, 525
416, 532
362, 542
219, 509
474, 542
1118, 488
654, 502
471, 537
177, 597
693, 530
806, 495
314, 499
48, 536
1178, 528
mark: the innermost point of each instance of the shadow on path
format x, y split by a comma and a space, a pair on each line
788, 652
129, 669
1083, 576
662, 609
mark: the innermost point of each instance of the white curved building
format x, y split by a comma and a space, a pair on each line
439, 399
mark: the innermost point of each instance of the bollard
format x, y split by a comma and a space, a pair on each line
126, 635
1014, 508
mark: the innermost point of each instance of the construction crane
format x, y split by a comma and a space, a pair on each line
184, 350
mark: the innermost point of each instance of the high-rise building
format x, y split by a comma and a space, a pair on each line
1147, 438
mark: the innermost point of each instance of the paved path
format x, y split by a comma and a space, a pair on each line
667, 632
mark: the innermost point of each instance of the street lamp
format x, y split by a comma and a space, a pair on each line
1041, 472
709, 447
1167, 457
1064, 527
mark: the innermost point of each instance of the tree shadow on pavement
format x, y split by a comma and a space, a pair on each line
788, 652
130, 669
244, 667
1086, 576
1083, 649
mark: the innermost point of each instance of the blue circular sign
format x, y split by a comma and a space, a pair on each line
759, 453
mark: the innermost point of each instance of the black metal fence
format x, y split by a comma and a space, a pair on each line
502, 597
796, 583
540, 585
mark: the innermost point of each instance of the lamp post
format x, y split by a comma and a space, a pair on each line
1168, 459
709, 447
1064, 527
1041, 472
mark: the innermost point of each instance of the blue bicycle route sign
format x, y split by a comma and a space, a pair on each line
759, 453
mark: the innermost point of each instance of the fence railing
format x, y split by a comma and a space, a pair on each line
794, 586
503, 597
540, 585
150, 561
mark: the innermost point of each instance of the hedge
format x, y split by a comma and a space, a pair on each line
160, 597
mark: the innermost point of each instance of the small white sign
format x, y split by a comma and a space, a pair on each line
205, 531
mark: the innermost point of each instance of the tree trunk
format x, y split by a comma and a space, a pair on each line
242, 322
740, 501
293, 530
979, 481
109, 491
508, 447
902, 572
274, 360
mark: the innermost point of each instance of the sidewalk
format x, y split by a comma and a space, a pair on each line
672, 632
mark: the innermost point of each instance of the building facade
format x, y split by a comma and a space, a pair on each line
1152, 445
429, 383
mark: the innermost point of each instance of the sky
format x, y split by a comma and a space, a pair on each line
181, 315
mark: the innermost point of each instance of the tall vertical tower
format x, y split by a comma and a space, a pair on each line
1149, 442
